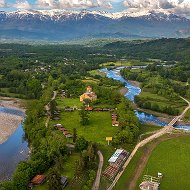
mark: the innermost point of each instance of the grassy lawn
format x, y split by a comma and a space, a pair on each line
99, 128
148, 128
171, 158
127, 63
91, 80
69, 165
42, 187
69, 168
97, 72
162, 101
68, 102
5, 92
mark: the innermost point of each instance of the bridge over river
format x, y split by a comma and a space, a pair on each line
168, 128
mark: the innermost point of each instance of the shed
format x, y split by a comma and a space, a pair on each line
37, 180
64, 181
58, 125
115, 156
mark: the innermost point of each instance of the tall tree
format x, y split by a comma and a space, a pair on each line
84, 115
81, 144
74, 135
54, 180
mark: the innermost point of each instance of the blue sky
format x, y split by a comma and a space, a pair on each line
180, 7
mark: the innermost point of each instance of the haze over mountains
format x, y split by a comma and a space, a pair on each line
65, 25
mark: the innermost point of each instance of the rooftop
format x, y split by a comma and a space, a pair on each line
38, 179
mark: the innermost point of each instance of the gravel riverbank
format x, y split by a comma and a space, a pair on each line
9, 121
13, 103
123, 91
8, 125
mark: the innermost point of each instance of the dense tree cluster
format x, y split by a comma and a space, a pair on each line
146, 104
87, 162
129, 124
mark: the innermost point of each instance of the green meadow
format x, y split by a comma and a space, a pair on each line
171, 158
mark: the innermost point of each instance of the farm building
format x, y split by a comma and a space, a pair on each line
88, 109
115, 156
64, 181
115, 121
150, 183
115, 163
68, 109
58, 125
63, 130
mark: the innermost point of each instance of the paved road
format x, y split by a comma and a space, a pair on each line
98, 175
161, 132
48, 109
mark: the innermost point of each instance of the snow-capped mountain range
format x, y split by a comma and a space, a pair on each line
62, 24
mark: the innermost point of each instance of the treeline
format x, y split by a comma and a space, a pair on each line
107, 95
146, 104
128, 123
22, 83
104, 81
152, 82
164, 49
175, 71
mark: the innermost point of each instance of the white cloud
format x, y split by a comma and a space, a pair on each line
22, 5
152, 4
176, 6
183, 8
65, 4
2, 4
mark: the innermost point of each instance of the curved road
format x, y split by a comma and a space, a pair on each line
48, 109
161, 132
98, 175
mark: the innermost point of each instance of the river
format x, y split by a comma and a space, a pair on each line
14, 150
132, 92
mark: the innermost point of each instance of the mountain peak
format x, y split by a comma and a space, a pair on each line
64, 24
116, 15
